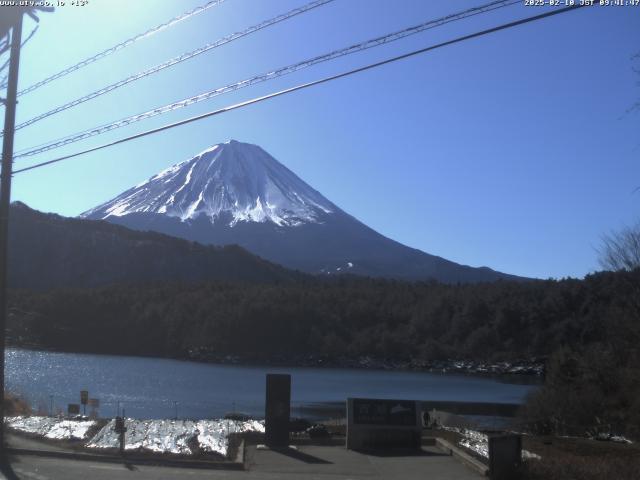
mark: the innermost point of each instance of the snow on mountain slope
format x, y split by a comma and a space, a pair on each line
236, 193
233, 178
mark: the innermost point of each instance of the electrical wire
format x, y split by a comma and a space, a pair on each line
176, 61
307, 85
375, 42
121, 45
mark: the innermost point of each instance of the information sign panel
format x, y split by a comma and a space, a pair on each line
374, 423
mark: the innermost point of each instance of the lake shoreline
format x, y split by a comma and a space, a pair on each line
521, 368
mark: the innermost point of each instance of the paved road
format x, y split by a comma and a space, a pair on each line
308, 462
23, 441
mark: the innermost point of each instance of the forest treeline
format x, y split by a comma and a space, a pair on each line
343, 316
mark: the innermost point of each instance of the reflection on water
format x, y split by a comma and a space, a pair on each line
158, 388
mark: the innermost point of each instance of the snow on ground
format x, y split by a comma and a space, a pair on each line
174, 436
608, 437
159, 436
52, 427
479, 442
475, 441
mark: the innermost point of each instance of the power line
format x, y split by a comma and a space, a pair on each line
307, 85
121, 45
375, 42
176, 60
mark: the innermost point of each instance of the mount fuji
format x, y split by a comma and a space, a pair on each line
236, 193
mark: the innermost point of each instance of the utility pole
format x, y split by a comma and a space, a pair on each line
5, 195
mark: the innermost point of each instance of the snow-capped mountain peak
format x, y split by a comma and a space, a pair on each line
228, 180
236, 193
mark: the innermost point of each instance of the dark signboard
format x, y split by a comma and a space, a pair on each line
277, 410
73, 409
84, 397
505, 455
384, 412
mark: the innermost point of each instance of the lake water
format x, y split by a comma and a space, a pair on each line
156, 388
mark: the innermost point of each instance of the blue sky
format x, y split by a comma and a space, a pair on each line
513, 151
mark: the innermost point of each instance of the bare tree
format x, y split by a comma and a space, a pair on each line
621, 250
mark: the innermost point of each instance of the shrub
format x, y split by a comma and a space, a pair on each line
16, 405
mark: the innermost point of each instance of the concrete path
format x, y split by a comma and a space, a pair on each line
308, 462
337, 462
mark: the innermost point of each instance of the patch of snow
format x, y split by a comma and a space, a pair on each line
608, 437
192, 208
527, 455
187, 180
478, 442
167, 171
174, 436
117, 210
51, 427
210, 149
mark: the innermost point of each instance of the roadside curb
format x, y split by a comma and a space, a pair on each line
237, 464
464, 457
328, 442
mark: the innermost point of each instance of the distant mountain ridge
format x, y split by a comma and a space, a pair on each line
236, 193
49, 251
